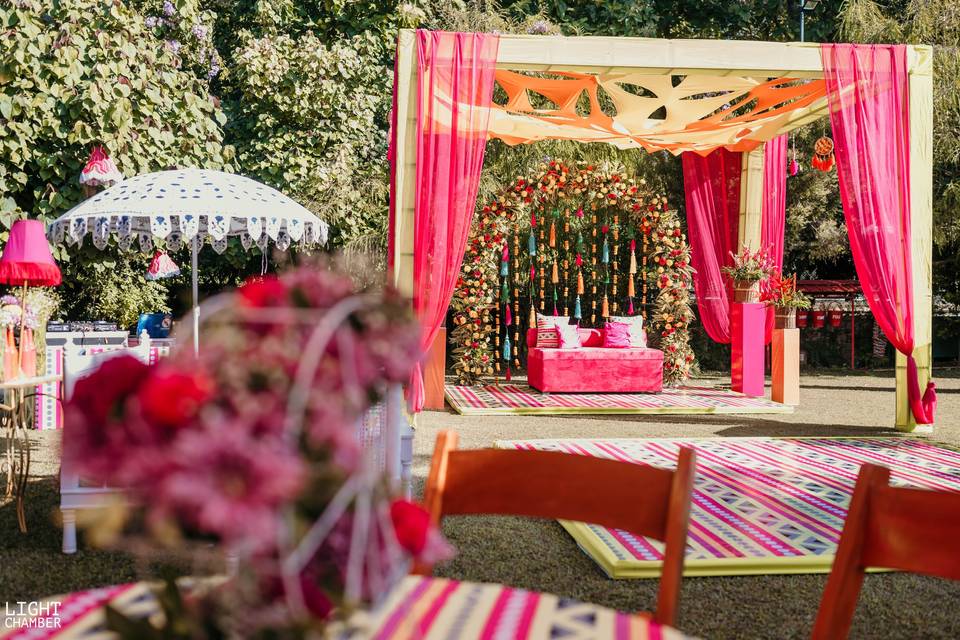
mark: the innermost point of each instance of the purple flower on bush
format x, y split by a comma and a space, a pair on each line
173, 45
199, 31
168, 8
539, 27
151, 22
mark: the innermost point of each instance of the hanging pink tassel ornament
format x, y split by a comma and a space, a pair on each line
507, 317
579, 213
533, 273
506, 253
506, 375
630, 308
579, 260
794, 167
533, 220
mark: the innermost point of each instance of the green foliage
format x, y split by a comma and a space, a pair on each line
81, 72
110, 285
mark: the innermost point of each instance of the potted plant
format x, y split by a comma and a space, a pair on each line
781, 292
748, 270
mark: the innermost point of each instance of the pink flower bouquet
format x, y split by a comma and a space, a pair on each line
253, 446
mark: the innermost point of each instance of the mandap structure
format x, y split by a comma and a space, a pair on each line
724, 106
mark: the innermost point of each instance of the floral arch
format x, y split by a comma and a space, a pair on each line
573, 240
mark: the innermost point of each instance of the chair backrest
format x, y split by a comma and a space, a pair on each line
641, 499
913, 530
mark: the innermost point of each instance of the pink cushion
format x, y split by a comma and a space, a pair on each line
588, 337
596, 370
569, 336
616, 335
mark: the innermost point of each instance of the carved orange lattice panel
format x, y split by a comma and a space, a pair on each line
699, 113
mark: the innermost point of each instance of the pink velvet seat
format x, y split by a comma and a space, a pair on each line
592, 368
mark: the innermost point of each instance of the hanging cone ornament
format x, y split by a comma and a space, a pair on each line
532, 244
100, 170
605, 310
605, 258
507, 316
631, 289
630, 308
553, 233
532, 320
633, 257
580, 283
555, 275
823, 154
162, 267
506, 348
577, 312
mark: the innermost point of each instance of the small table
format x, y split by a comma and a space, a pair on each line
14, 417
423, 608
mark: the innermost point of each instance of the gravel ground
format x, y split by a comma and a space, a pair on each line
540, 555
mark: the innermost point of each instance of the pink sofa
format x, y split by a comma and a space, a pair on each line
592, 368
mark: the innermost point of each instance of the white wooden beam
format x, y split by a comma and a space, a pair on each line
750, 228
406, 163
921, 237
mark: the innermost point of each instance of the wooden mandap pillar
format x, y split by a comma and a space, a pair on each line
921, 229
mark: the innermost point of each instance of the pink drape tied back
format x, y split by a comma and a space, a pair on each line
867, 89
711, 186
454, 94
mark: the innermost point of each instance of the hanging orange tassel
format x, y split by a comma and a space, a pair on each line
533, 318
631, 291
605, 312
633, 259
580, 283
555, 274
553, 234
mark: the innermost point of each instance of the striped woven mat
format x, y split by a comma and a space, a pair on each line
760, 505
507, 399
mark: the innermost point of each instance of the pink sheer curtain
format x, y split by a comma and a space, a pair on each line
711, 186
774, 208
867, 87
455, 91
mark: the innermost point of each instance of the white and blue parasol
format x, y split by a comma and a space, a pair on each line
194, 207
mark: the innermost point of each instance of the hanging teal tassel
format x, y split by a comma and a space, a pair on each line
579, 242
532, 244
504, 269
576, 309
504, 291
606, 252
506, 348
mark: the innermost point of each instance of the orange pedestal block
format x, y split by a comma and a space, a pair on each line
785, 372
434, 370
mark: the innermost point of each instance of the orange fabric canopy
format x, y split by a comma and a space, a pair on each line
653, 112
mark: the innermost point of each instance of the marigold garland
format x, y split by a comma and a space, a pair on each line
553, 199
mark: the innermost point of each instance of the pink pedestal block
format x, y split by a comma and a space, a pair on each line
747, 324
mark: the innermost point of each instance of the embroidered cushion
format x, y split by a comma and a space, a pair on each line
616, 335
637, 338
569, 336
547, 334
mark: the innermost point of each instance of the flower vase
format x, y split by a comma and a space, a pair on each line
785, 318
11, 363
28, 347
746, 291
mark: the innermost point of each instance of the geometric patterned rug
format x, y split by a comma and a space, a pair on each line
760, 505
513, 399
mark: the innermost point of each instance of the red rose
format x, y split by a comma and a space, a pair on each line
101, 395
263, 291
172, 397
411, 523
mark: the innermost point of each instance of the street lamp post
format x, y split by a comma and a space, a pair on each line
806, 6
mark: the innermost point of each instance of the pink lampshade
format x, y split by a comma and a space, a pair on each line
26, 257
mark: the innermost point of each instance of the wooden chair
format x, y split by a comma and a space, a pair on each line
641, 499
913, 530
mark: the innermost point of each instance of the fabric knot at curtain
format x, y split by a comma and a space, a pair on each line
868, 93
455, 79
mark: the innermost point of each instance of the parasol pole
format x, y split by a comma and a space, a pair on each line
196, 306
